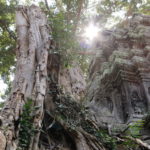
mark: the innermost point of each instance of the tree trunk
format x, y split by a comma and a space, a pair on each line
31, 74
36, 80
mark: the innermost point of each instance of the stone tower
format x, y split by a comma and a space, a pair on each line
119, 88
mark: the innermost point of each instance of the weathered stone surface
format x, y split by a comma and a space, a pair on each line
119, 88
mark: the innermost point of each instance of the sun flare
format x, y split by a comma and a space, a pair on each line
91, 31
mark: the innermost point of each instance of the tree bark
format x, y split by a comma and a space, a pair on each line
31, 74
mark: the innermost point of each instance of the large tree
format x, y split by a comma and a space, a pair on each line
31, 72
24, 117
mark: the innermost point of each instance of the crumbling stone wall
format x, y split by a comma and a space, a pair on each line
119, 88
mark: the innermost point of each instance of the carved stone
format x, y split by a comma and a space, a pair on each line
119, 88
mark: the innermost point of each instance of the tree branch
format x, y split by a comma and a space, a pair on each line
46, 4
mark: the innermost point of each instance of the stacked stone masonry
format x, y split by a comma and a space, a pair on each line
119, 88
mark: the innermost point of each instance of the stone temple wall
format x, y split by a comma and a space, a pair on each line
119, 87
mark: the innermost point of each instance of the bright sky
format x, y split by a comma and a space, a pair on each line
3, 87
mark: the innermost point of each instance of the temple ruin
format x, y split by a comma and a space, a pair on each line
119, 88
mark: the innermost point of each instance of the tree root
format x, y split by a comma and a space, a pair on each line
137, 141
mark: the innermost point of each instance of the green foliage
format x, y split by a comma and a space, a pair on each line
26, 127
108, 7
109, 11
1, 104
72, 117
130, 144
7, 36
7, 41
75, 115
65, 24
134, 131
135, 128
101, 135
108, 141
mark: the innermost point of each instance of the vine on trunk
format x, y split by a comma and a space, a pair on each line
26, 126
